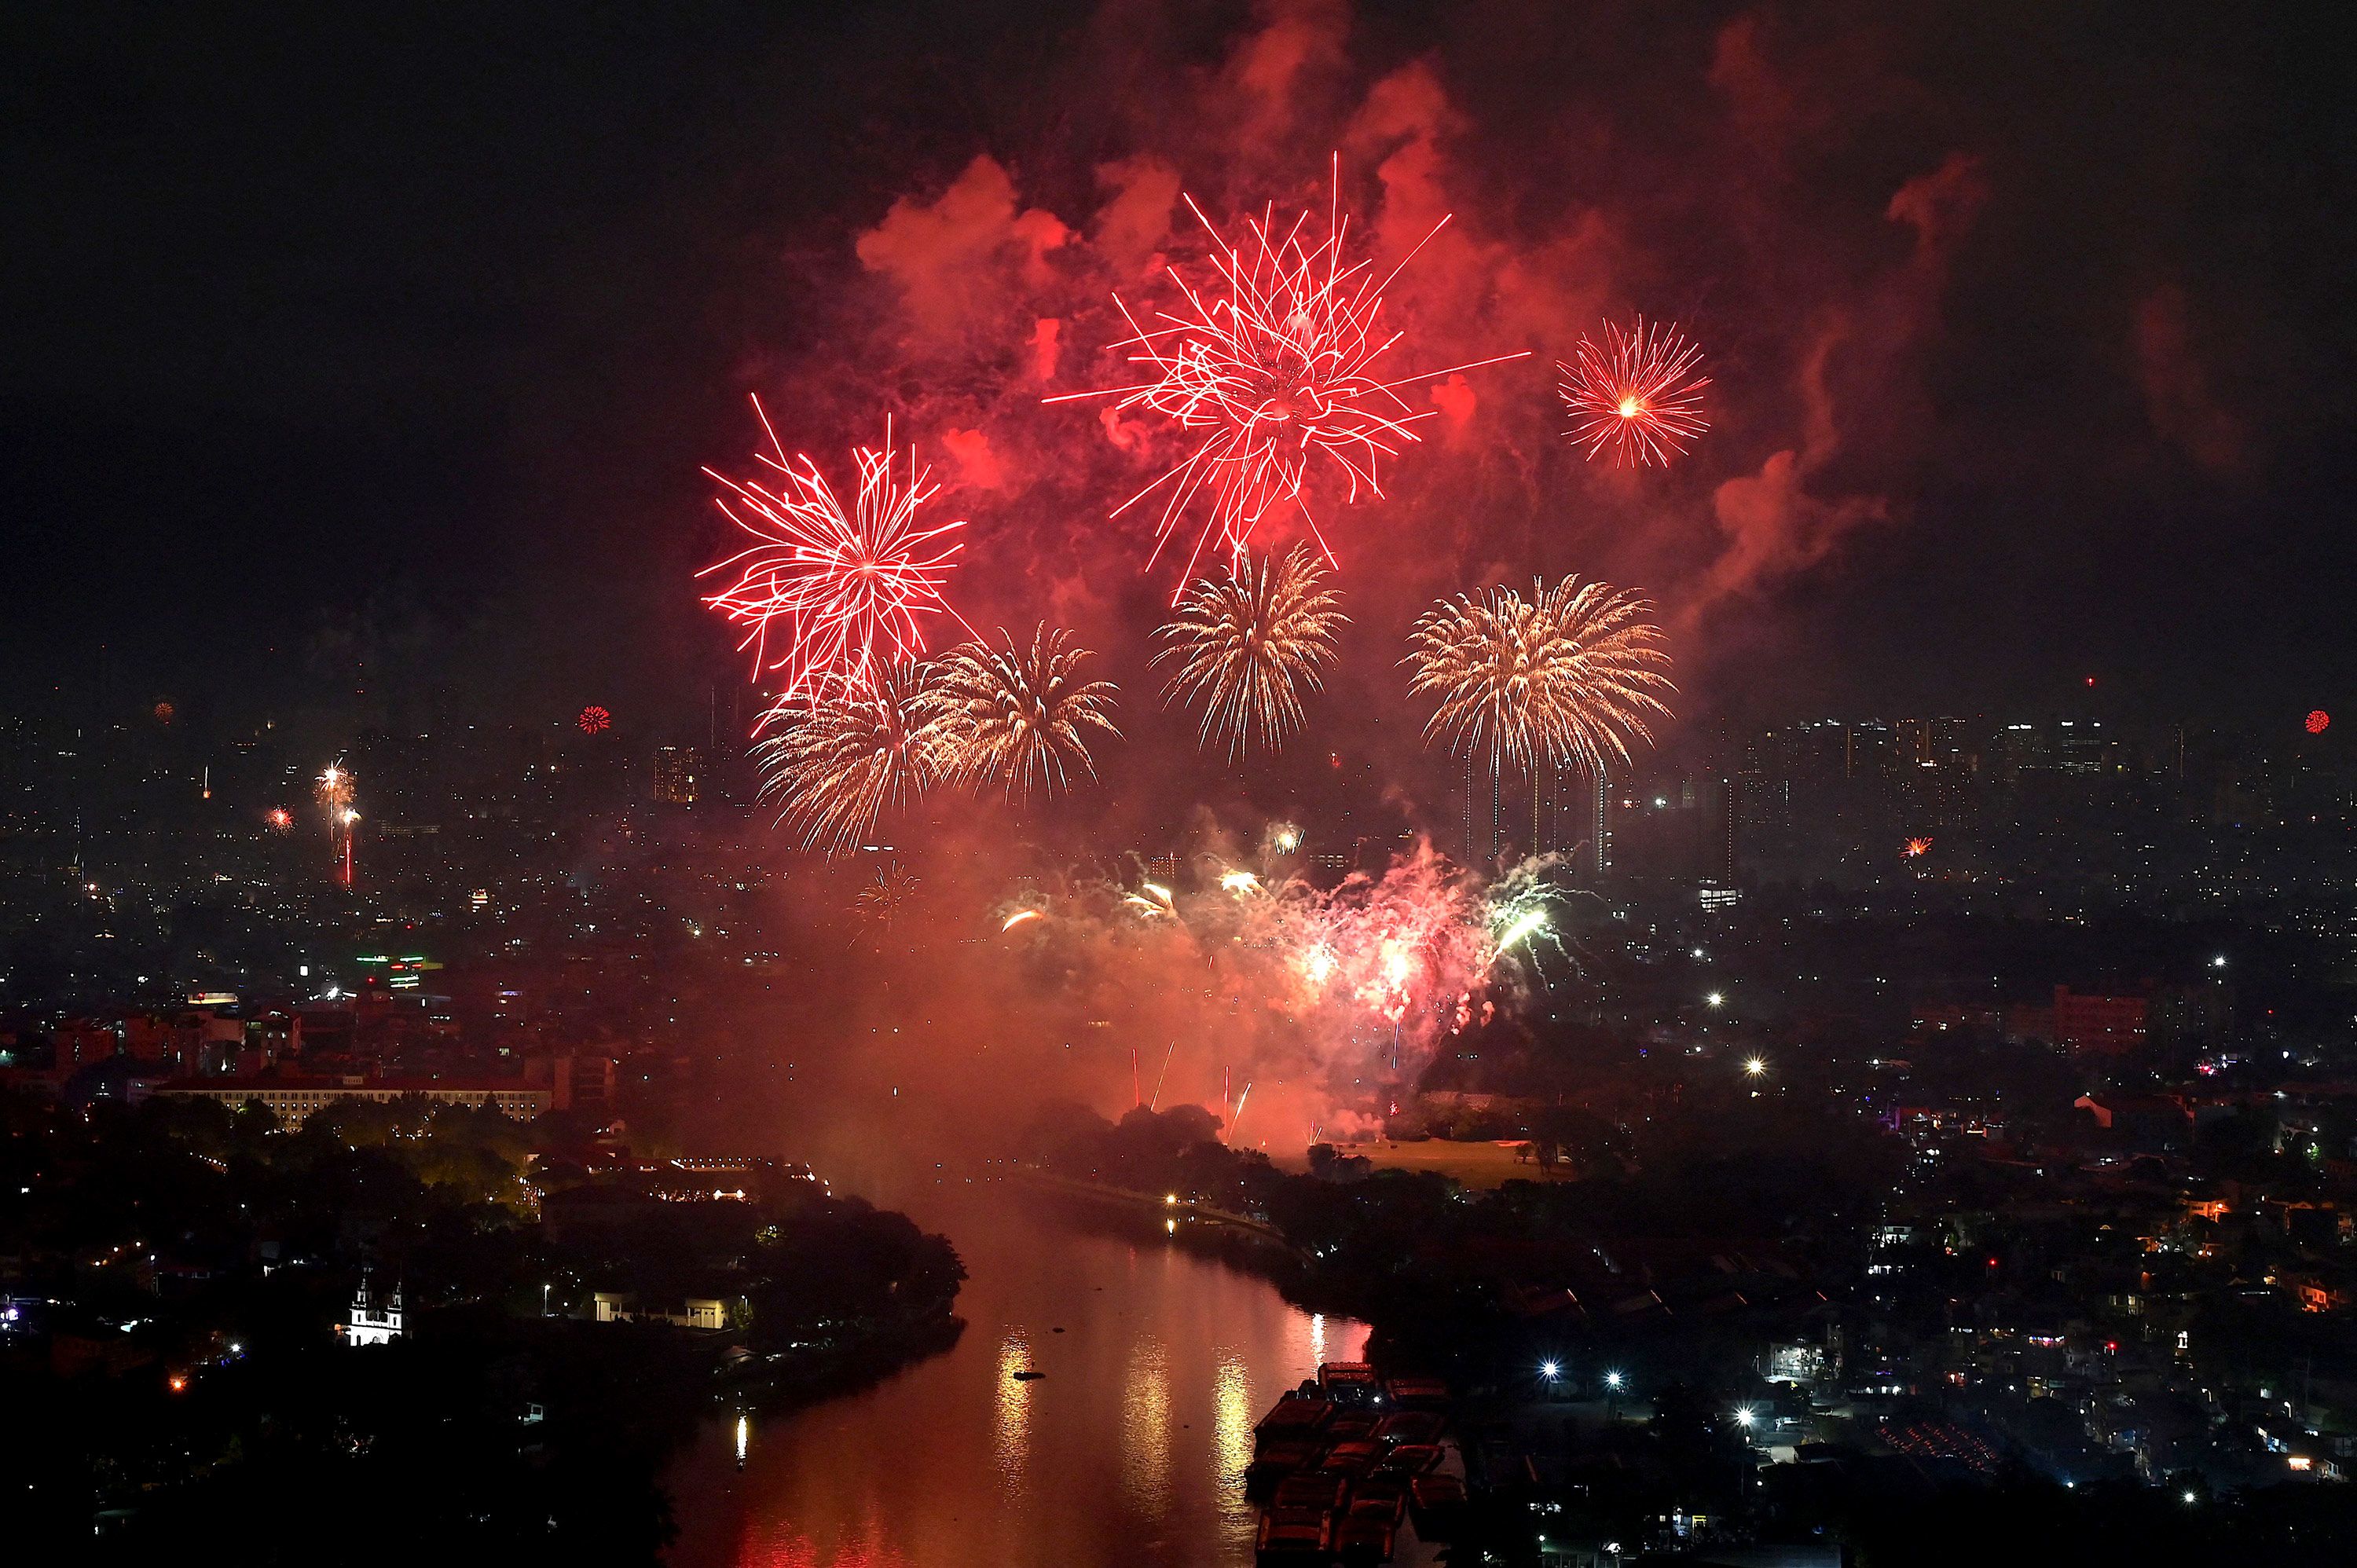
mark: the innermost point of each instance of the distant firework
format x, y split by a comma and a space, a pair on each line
1264, 367
1020, 718
2319, 721
335, 793
887, 895
1915, 848
840, 758
279, 819
1568, 676
843, 592
1245, 645
1635, 394
166, 712
594, 719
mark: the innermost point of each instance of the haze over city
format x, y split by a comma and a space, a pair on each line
1319, 783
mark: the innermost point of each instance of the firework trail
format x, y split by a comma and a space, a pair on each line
334, 792
1635, 394
841, 757
851, 590
1245, 645
1266, 366
1567, 676
1019, 718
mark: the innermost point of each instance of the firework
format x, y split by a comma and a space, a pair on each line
1284, 838
1567, 676
1264, 367
594, 720
279, 817
334, 792
886, 893
1019, 718
1246, 644
840, 758
1017, 919
852, 591
1238, 883
1915, 848
2319, 721
1636, 393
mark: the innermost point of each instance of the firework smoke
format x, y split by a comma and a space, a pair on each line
1245, 645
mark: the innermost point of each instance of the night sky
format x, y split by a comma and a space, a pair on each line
367, 351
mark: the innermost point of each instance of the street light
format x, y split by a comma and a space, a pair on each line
1550, 1370
1716, 999
1754, 1066
1744, 1418
1612, 1380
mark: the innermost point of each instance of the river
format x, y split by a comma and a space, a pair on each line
1130, 1448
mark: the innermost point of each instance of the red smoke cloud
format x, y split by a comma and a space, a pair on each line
2177, 395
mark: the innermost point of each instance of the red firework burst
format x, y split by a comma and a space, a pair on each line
1915, 848
1636, 393
279, 819
1267, 365
2319, 721
849, 589
594, 719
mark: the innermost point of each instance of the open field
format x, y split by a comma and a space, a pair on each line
1477, 1164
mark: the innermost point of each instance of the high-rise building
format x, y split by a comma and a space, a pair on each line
1601, 824
677, 770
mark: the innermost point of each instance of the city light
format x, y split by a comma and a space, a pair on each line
1745, 1418
1612, 1380
1754, 1066
1716, 999
1550, 1370
2218, 962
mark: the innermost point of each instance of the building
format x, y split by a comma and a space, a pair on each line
2108, 1025
677, 770
293, 1099
371, 1325
695, 1311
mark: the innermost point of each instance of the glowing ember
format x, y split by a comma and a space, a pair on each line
1635, 394
844, 591
1265, 367
594, 719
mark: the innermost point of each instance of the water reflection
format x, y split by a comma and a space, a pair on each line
1145, 1430
1129, 1448
1013, 1428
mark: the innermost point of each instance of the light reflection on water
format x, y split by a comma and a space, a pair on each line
1010, 1438
1130, 1448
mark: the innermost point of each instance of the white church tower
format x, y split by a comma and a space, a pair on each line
371, 1326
